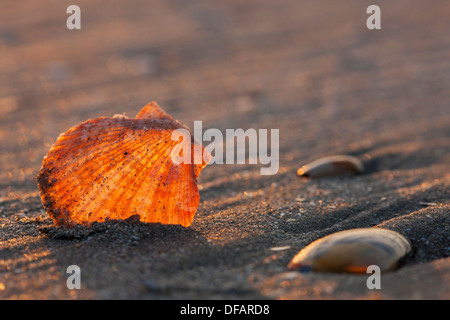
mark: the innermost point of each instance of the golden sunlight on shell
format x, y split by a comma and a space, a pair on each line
353, 251
115, 168
340, 165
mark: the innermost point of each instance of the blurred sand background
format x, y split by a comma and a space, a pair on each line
308, 68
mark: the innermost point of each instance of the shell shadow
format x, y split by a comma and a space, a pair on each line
119, 232
403, 156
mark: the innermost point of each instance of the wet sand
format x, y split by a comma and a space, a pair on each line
312, 70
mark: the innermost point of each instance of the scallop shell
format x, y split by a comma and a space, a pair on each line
332, 166
353, 251
114, 168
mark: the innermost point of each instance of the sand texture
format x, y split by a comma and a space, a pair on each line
311, 69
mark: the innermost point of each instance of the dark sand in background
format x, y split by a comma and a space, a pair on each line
312, 70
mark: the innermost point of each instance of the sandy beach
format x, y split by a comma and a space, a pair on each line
311, 69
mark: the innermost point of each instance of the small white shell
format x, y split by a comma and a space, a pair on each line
353, 251
332, 166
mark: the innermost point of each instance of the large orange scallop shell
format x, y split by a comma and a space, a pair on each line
118, 167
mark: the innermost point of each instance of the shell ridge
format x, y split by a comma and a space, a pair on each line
143, 176
105, 196
192, 198
161, 215
121, 194
82, 174
153, 111
72, 169
116, 167
166, 215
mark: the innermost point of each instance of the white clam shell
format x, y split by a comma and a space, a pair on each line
353, 251
339, 165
